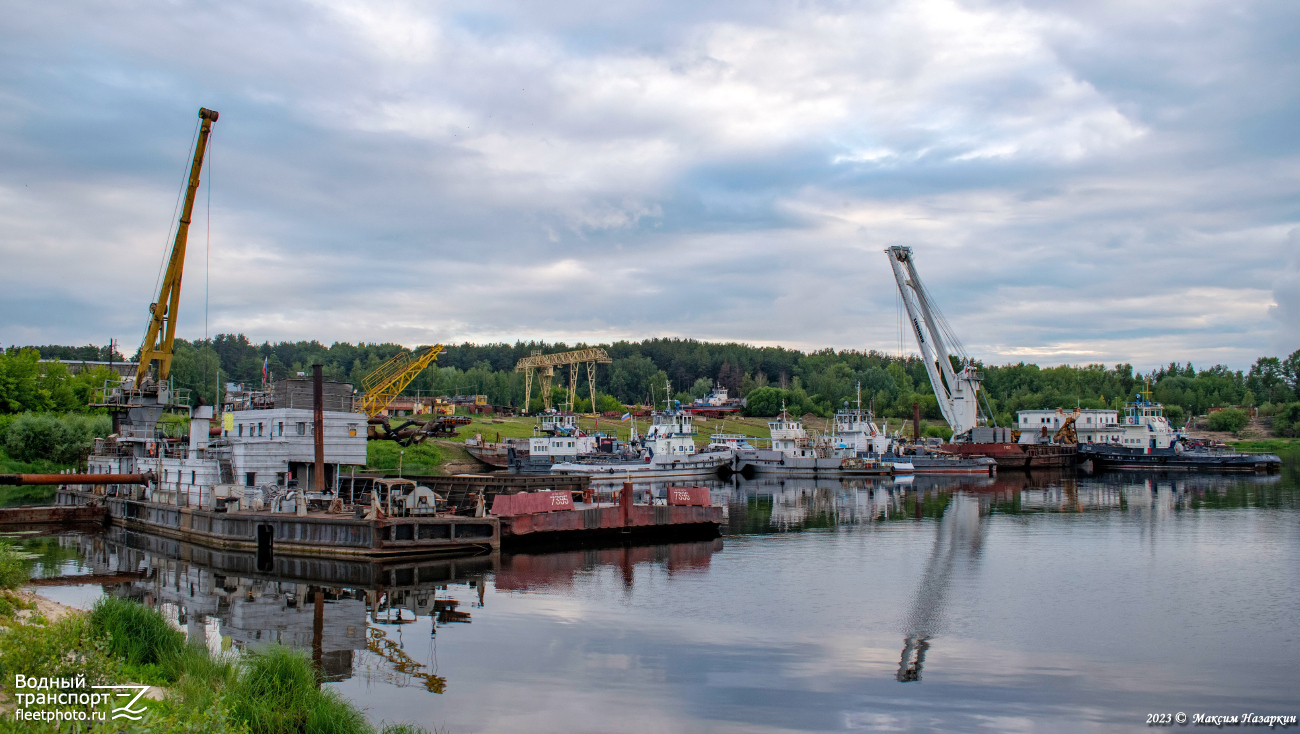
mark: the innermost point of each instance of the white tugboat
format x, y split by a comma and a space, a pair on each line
856, 428
667, 450
797, 453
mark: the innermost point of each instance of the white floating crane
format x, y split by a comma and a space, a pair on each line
957, 392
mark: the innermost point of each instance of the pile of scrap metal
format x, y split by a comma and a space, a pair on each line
415, 431
399, 498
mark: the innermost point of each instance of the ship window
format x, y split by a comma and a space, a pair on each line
302, 428
281, 428
250, 478
259, 429
191, 477
241, 429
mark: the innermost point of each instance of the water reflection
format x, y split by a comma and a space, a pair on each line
335, 608
1033, 601
956, 548
783, 505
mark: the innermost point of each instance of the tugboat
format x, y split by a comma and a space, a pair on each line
797, 453
715, 405
1146, 440
666, 451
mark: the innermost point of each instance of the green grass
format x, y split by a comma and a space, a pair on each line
1272, 445
10, 465
490, 426
30, 495
13, 571
36, 494
277, 691
151, 649
384, 456
274, 690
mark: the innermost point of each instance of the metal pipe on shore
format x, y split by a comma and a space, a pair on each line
32, 479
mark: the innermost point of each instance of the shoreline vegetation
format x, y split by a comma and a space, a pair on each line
271, 690
816, 382
47, 426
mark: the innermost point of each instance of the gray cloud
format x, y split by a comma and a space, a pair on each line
1081, 182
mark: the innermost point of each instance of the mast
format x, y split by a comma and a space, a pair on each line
956, 393
158, 339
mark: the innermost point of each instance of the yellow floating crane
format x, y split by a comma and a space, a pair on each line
545, 364
389, 379
161, 333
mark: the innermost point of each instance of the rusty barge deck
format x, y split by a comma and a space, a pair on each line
313, 534
52, 515
553, 517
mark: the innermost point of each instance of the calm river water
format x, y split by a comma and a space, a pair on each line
1023, 603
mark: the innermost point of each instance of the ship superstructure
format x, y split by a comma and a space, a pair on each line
262, 474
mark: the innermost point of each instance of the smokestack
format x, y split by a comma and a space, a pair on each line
916, 421
318, 406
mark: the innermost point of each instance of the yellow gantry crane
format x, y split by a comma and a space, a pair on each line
545, 365
161, 333
389, 379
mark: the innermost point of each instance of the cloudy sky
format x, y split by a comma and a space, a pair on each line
1080, 181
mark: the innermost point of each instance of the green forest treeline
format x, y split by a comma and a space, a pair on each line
815, 382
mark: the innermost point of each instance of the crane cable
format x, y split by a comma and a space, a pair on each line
167, 243
207, 259
207, 244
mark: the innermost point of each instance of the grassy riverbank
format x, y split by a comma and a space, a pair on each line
273, 690
1271, 445
27, 495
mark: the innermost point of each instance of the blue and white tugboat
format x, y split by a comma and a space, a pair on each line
1144, 439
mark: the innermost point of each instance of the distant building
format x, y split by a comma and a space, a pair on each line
125, 369
1094, 425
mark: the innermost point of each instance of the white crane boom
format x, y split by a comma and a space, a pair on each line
957, 393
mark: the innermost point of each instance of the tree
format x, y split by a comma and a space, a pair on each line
1228, 419
1286, 422
763, 401
1291, 371
20, 382
1267, 380
701, 388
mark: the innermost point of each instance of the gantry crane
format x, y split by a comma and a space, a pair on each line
545, 365
957, 392
389, 379
158, 338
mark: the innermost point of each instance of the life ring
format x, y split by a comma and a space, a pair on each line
153, 449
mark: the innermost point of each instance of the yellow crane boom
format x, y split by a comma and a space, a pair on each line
158, 338
389, 379
545, 365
